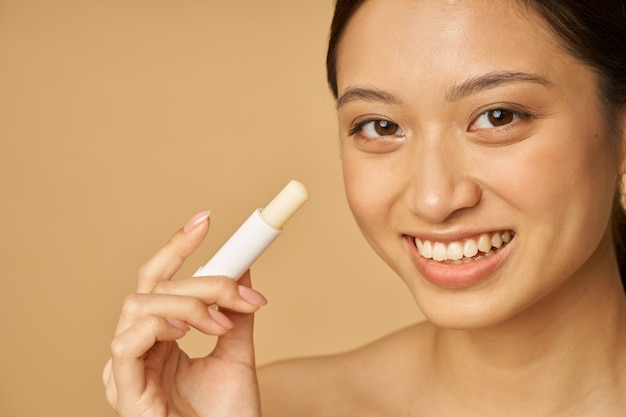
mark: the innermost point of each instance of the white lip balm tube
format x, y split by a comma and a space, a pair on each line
236, 256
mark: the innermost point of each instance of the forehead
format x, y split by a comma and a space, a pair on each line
428, 41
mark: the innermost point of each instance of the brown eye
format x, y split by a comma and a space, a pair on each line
377, 129
377, 136
385, 127
497, 118
500, 117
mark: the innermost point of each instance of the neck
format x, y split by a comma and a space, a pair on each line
565, 352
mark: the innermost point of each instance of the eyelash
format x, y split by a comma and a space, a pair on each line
358, 127
516, 113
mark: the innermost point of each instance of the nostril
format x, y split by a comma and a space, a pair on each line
438, 201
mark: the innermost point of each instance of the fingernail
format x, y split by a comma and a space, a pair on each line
196, 220
220, 318
252, 296
180, 325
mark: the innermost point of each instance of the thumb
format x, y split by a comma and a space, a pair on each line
238, 343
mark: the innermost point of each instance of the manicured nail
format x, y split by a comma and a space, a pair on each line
220, 318
196, 220
251, 296
180, 325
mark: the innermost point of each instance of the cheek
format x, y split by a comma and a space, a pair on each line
358, 192
371, 187
535, 176
561, 183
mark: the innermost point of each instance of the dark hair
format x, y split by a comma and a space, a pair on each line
594, 32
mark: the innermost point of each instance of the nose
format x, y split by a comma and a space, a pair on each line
441, 183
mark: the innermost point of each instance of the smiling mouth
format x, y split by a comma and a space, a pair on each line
466, 251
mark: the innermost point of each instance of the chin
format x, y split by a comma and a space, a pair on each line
462, 320
467, 309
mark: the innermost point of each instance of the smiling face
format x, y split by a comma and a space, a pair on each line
475, 159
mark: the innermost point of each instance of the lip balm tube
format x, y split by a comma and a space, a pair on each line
263, 226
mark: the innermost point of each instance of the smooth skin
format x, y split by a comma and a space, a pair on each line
544, 334
149, 375
425, 156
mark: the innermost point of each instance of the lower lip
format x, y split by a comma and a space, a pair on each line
458, 276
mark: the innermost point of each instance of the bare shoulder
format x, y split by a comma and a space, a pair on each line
363, 381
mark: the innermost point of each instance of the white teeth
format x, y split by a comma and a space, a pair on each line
427, 250
484, 243
439, 251
470, 248
455, 251
468, 251
496, 240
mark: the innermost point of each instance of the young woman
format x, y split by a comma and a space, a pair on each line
483, 149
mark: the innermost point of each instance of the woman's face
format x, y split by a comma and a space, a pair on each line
474, 156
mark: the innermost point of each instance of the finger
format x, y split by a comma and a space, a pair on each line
158, 356
169, 259
109, 384
189, 310
106, 373
238, 343
128, 350
222, 291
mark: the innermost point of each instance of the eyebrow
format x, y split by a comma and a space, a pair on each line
492, 80
367, 94
456, 92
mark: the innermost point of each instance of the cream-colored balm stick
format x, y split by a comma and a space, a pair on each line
236, 256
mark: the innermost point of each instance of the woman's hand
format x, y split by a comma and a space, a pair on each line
148, 375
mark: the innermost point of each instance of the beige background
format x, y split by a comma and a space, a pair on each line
121, 119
